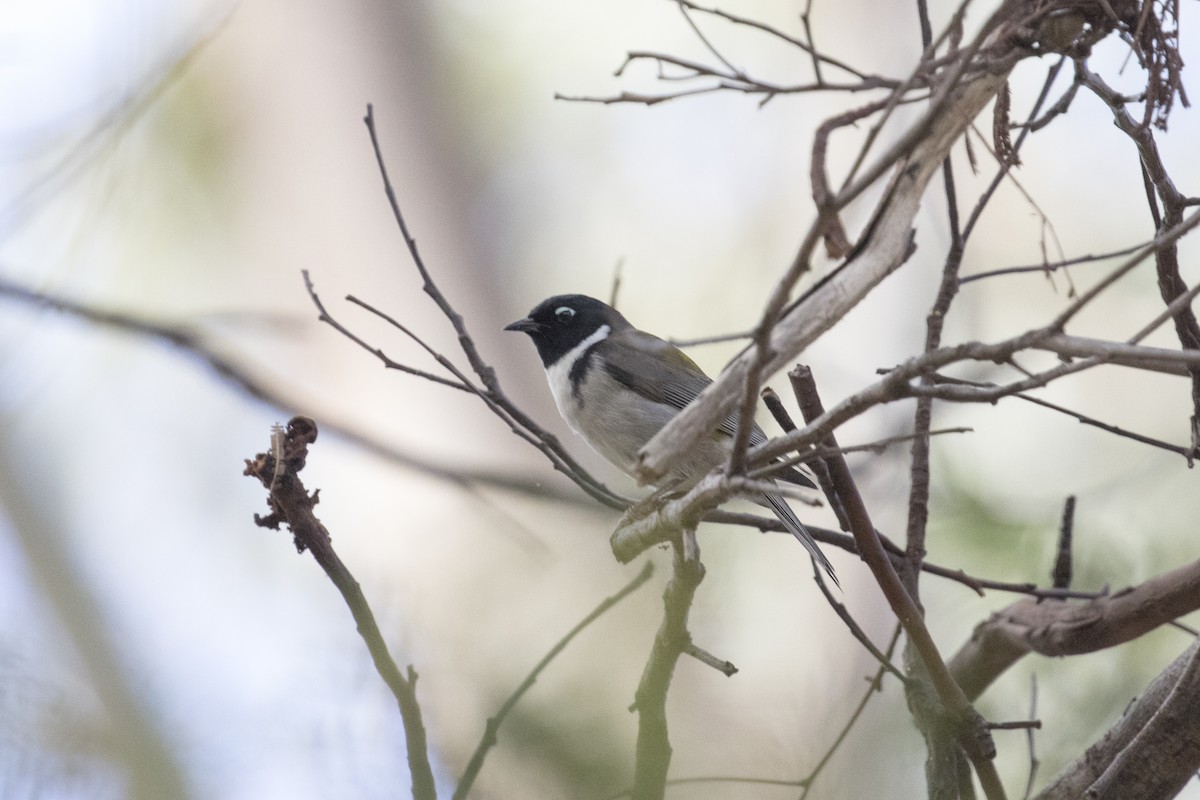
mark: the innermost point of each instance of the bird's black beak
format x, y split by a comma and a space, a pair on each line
525, 325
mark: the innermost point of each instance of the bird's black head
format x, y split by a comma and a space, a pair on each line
561, 322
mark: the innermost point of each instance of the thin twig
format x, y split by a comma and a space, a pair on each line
462, 384
726, 668
475, 764
1061, 574
715, 339
1159, 186
855, 629
1050, 266
1034, 763
555, 455
683, 9
806, 46
874, 686
1104, 426
1017, 725
806, 21
194, 343
877, 447
495, 398
980, 586
785, 421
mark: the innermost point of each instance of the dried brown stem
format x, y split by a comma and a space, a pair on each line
290, 503
492, 394
1064, 560
970, 728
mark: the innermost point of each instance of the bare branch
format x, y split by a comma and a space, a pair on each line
497, 401
886, 248
726, 668
799, 43
1049, 267
1060, 628
1034, 763
1155, 359
1164, 83
1104, 426
968, 726
1152, 751
291, 503
491, 730
1064, 560
653, 756
194, 343
874, 687
822, 471
462, 384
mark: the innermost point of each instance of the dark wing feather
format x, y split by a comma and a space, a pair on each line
655, 369
660, 371
788, 517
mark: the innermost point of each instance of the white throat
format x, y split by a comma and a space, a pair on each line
559, 376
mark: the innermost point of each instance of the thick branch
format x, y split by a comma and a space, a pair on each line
1059, 628
1152, 751
639, 530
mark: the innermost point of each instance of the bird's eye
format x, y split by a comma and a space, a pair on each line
564, 314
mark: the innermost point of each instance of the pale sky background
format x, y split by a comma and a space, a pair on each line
184, 161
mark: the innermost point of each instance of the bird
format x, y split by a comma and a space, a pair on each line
616, 386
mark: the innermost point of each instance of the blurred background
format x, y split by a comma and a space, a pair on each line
183, 162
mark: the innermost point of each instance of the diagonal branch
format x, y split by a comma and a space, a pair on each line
291, 503
1159, 186
493, 724
969, 728
493, 395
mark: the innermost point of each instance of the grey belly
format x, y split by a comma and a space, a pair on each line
617, 423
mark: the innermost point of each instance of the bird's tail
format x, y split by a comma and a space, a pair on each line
797, 529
